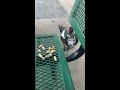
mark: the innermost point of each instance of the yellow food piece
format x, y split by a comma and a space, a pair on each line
50, 54
38, 50
53, 47
48, 51
40, 46
43, 48
52, 51
43, 58
55, 58
40, 55
47, 56
49, 48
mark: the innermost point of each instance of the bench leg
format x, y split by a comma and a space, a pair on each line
76, 54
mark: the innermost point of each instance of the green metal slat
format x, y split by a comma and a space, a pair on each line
50, 74
78, 33
77, 20
64, 66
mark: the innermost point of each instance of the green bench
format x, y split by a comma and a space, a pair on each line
51, 74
